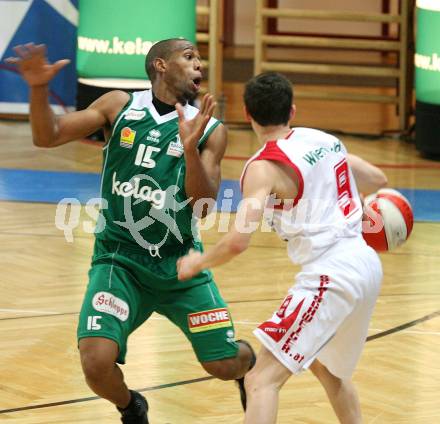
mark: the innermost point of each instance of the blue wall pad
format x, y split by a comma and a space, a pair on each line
425, 203
22, 185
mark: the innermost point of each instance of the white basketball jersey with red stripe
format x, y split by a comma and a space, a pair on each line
327, 209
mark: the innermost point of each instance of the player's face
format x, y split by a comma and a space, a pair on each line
184, 72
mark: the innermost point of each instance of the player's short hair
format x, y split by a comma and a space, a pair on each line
162, 49
268, 98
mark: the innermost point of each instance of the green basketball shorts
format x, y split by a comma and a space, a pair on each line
127, 285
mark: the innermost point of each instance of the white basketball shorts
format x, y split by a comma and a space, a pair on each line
326, 313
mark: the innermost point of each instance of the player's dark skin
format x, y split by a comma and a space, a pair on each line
175, 78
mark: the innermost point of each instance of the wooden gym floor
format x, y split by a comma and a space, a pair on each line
43, 277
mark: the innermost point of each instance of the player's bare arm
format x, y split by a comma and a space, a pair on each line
257, 186
211, 156
48, 129
369, 178
100, 114
203, 177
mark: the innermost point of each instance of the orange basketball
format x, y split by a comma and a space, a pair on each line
388, 219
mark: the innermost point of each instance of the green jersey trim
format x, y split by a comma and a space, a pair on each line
106, 147
104, 167
208, 132
119, 117
141, 100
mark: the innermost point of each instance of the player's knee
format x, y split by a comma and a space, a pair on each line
251, 381
225, 369
96, 364
255, 381
322, 373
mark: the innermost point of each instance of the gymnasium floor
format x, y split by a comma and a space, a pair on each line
43, 276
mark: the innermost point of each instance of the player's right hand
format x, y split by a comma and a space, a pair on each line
188, 266
191, 131
32, 64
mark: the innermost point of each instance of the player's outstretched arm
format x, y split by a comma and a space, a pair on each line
100, 114
49, 130
257, 186
369, 178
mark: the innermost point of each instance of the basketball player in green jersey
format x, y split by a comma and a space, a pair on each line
151, 185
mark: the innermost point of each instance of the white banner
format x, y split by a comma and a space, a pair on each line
429, 5
50, 22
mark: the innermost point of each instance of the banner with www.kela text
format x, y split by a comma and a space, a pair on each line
115, 36
427, 57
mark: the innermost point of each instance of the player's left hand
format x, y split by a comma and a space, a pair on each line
191, 131
188, 266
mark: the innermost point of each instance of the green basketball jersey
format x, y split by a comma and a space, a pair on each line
143, 177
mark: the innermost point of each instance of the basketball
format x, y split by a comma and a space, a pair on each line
388, 219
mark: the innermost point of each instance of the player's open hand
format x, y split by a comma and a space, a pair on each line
188, 266
191, 131
32, 64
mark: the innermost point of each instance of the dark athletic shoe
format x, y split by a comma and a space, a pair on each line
240, 381
136, 412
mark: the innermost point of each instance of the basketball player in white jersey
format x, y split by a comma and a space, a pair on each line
301, 182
